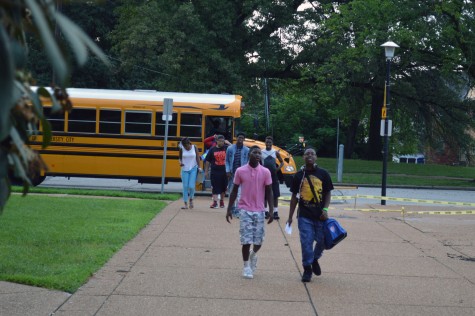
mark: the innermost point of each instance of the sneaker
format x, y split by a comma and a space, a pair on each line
316, 267
267, 215
214, 205
253, 259
247, 273
221, 203
307, 274
276, 215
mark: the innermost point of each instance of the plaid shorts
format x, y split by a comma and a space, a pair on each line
251, 227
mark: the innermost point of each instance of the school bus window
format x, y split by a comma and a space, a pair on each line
160, 125
137, 122
56, 120
109, 121
219, 125
82, 121
190, 125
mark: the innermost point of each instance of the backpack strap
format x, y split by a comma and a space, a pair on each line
311, 187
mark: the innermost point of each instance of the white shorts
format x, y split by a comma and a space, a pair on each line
251, 227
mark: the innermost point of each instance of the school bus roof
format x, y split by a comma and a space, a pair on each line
151, 95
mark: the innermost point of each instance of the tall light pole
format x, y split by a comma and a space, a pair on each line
389, 48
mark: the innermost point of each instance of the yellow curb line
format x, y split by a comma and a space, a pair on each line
414, 200
443, 212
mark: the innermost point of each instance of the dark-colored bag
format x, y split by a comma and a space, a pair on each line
333, 233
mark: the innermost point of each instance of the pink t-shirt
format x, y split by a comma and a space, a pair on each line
253, 183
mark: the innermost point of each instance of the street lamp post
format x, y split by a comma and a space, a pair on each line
389, 48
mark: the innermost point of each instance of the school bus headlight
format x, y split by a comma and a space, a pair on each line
289, 168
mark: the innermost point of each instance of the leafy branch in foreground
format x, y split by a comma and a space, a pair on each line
21, 110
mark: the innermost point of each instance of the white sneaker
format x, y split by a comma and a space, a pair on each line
253, 259
247, 273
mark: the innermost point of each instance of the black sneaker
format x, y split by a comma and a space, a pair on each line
276, 215
307, 274
267, 215
316, 267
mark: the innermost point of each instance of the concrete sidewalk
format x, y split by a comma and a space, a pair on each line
188, 262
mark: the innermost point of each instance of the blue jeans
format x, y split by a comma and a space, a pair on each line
310, 231
189, 182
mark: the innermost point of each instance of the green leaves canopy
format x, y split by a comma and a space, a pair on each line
323, 59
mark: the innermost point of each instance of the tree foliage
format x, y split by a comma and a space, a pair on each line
323, 60
20, 106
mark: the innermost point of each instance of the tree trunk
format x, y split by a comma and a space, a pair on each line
351, 138
375, 140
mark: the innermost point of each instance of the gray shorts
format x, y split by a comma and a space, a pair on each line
251, 227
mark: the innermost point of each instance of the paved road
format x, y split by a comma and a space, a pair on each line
133, 185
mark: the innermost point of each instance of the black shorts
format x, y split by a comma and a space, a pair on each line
275, 186
219, 182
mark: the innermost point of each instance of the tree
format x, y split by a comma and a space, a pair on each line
320, 54
429, 57
20, 107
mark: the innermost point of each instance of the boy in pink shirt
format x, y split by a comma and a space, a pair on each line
256, 186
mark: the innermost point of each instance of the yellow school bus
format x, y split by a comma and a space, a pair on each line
120, 133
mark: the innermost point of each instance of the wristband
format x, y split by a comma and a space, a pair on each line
325, 209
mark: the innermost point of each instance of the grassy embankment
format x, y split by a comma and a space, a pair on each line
425, 175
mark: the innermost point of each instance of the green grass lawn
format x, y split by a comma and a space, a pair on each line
370, 172
59, 242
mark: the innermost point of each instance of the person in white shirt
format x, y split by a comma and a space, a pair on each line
189, 159
269, 156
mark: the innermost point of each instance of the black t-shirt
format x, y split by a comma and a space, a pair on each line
322, 183
217, 158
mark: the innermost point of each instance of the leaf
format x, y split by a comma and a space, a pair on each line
4, 192
94, 48
42, 91
49, 42
37, 102
3, 162
70, 32
47, 135
19, 169
79, 40
19, 144
6, 83
26, 187
55, 105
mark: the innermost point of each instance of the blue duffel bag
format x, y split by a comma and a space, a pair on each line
333, 233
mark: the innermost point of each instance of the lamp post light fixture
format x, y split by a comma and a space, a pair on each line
389, 48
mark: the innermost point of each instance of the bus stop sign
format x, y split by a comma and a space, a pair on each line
167, 109
390, 128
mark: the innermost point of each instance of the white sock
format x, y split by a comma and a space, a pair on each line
276, 209
247, 264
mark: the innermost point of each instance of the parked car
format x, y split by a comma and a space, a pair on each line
415, 158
